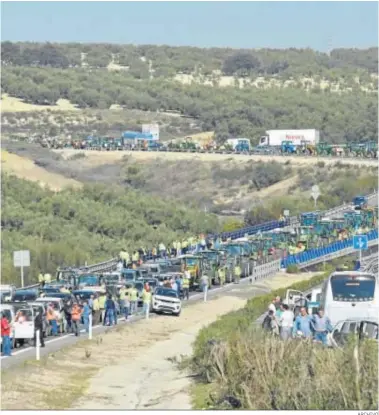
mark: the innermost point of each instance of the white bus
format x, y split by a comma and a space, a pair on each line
350, 295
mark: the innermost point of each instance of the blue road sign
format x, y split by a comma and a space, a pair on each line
360, 242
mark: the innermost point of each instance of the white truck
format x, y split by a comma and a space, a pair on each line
274, 138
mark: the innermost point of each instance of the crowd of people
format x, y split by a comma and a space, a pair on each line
281, 321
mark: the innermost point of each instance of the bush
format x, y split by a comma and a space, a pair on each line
293, 269
235, 362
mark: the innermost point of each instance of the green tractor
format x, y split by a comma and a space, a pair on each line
356, 150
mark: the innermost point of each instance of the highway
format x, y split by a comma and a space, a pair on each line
113, 156
53, 344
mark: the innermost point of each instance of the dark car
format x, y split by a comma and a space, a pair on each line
49, 290
25, 295
64, 296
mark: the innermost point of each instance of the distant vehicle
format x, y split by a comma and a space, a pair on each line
50, 290
89, 280
7, 292
25, 295
350, 295
166, 300
364, 329
274, 138
239, 144
63, 296
128, 274
84, 295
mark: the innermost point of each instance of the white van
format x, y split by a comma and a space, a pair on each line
21, 317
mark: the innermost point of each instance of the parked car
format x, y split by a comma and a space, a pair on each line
21, 317
166, 300
25, 295
364, 329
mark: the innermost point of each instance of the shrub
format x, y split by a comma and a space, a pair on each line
293, 269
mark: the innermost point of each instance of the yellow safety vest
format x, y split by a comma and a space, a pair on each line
96, 304
237, 271
102, 300
185, 283
135, 257
41, 278
47, 278
146, 297
133, 294
123, 293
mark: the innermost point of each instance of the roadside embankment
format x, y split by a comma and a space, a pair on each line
237, 366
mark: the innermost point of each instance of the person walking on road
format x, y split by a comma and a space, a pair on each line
186, 285
76, 315
204, 286
6, 335
52, 319
146, 298
221, 275
133, 298
322, 326
110, 311
286, 322
86, 315
67, 313
237, 274
123, 298
38, 326
102, 300
303, 324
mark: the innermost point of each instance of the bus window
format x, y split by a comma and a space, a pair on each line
353, 288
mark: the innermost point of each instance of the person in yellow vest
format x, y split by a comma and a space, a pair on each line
102, 299
47, 278
133, 299
221, 275
237, 273
123, 297
134, 258
186, 284
41, 279
146, 298
154, 252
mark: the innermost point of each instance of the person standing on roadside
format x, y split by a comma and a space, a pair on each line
205, 286
237, 273
110, 311
286, 322
6, 335
303, 324
133, 298
38, 326
76, 315
86, 313
322, 326
146, 298
186, 284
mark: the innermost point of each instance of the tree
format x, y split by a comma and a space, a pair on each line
241, 63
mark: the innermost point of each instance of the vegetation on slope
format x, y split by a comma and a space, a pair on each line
229, 111
235, 363
92, 224
168, 60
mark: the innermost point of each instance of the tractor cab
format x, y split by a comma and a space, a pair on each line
288, 147
194, 264
309, 218
68, 276
360, 202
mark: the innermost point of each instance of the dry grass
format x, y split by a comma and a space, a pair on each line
26, 169
12, 104
264, 373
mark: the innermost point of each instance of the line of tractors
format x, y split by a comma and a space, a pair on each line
367, 149
313, 231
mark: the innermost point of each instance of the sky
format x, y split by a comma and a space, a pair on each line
318, 25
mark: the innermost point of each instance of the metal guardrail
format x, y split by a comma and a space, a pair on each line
110, 265
308, 257
265, 270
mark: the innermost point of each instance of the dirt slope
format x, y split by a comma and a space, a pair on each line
26, 169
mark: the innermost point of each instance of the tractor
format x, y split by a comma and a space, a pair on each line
307, 148
288, 147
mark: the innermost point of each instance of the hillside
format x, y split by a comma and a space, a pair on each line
91, 224
224, 186
231, 92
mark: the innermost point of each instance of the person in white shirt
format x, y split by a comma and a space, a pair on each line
286, 322
204, 286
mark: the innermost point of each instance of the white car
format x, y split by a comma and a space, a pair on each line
166, 300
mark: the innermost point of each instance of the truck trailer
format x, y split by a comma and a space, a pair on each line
274, 138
